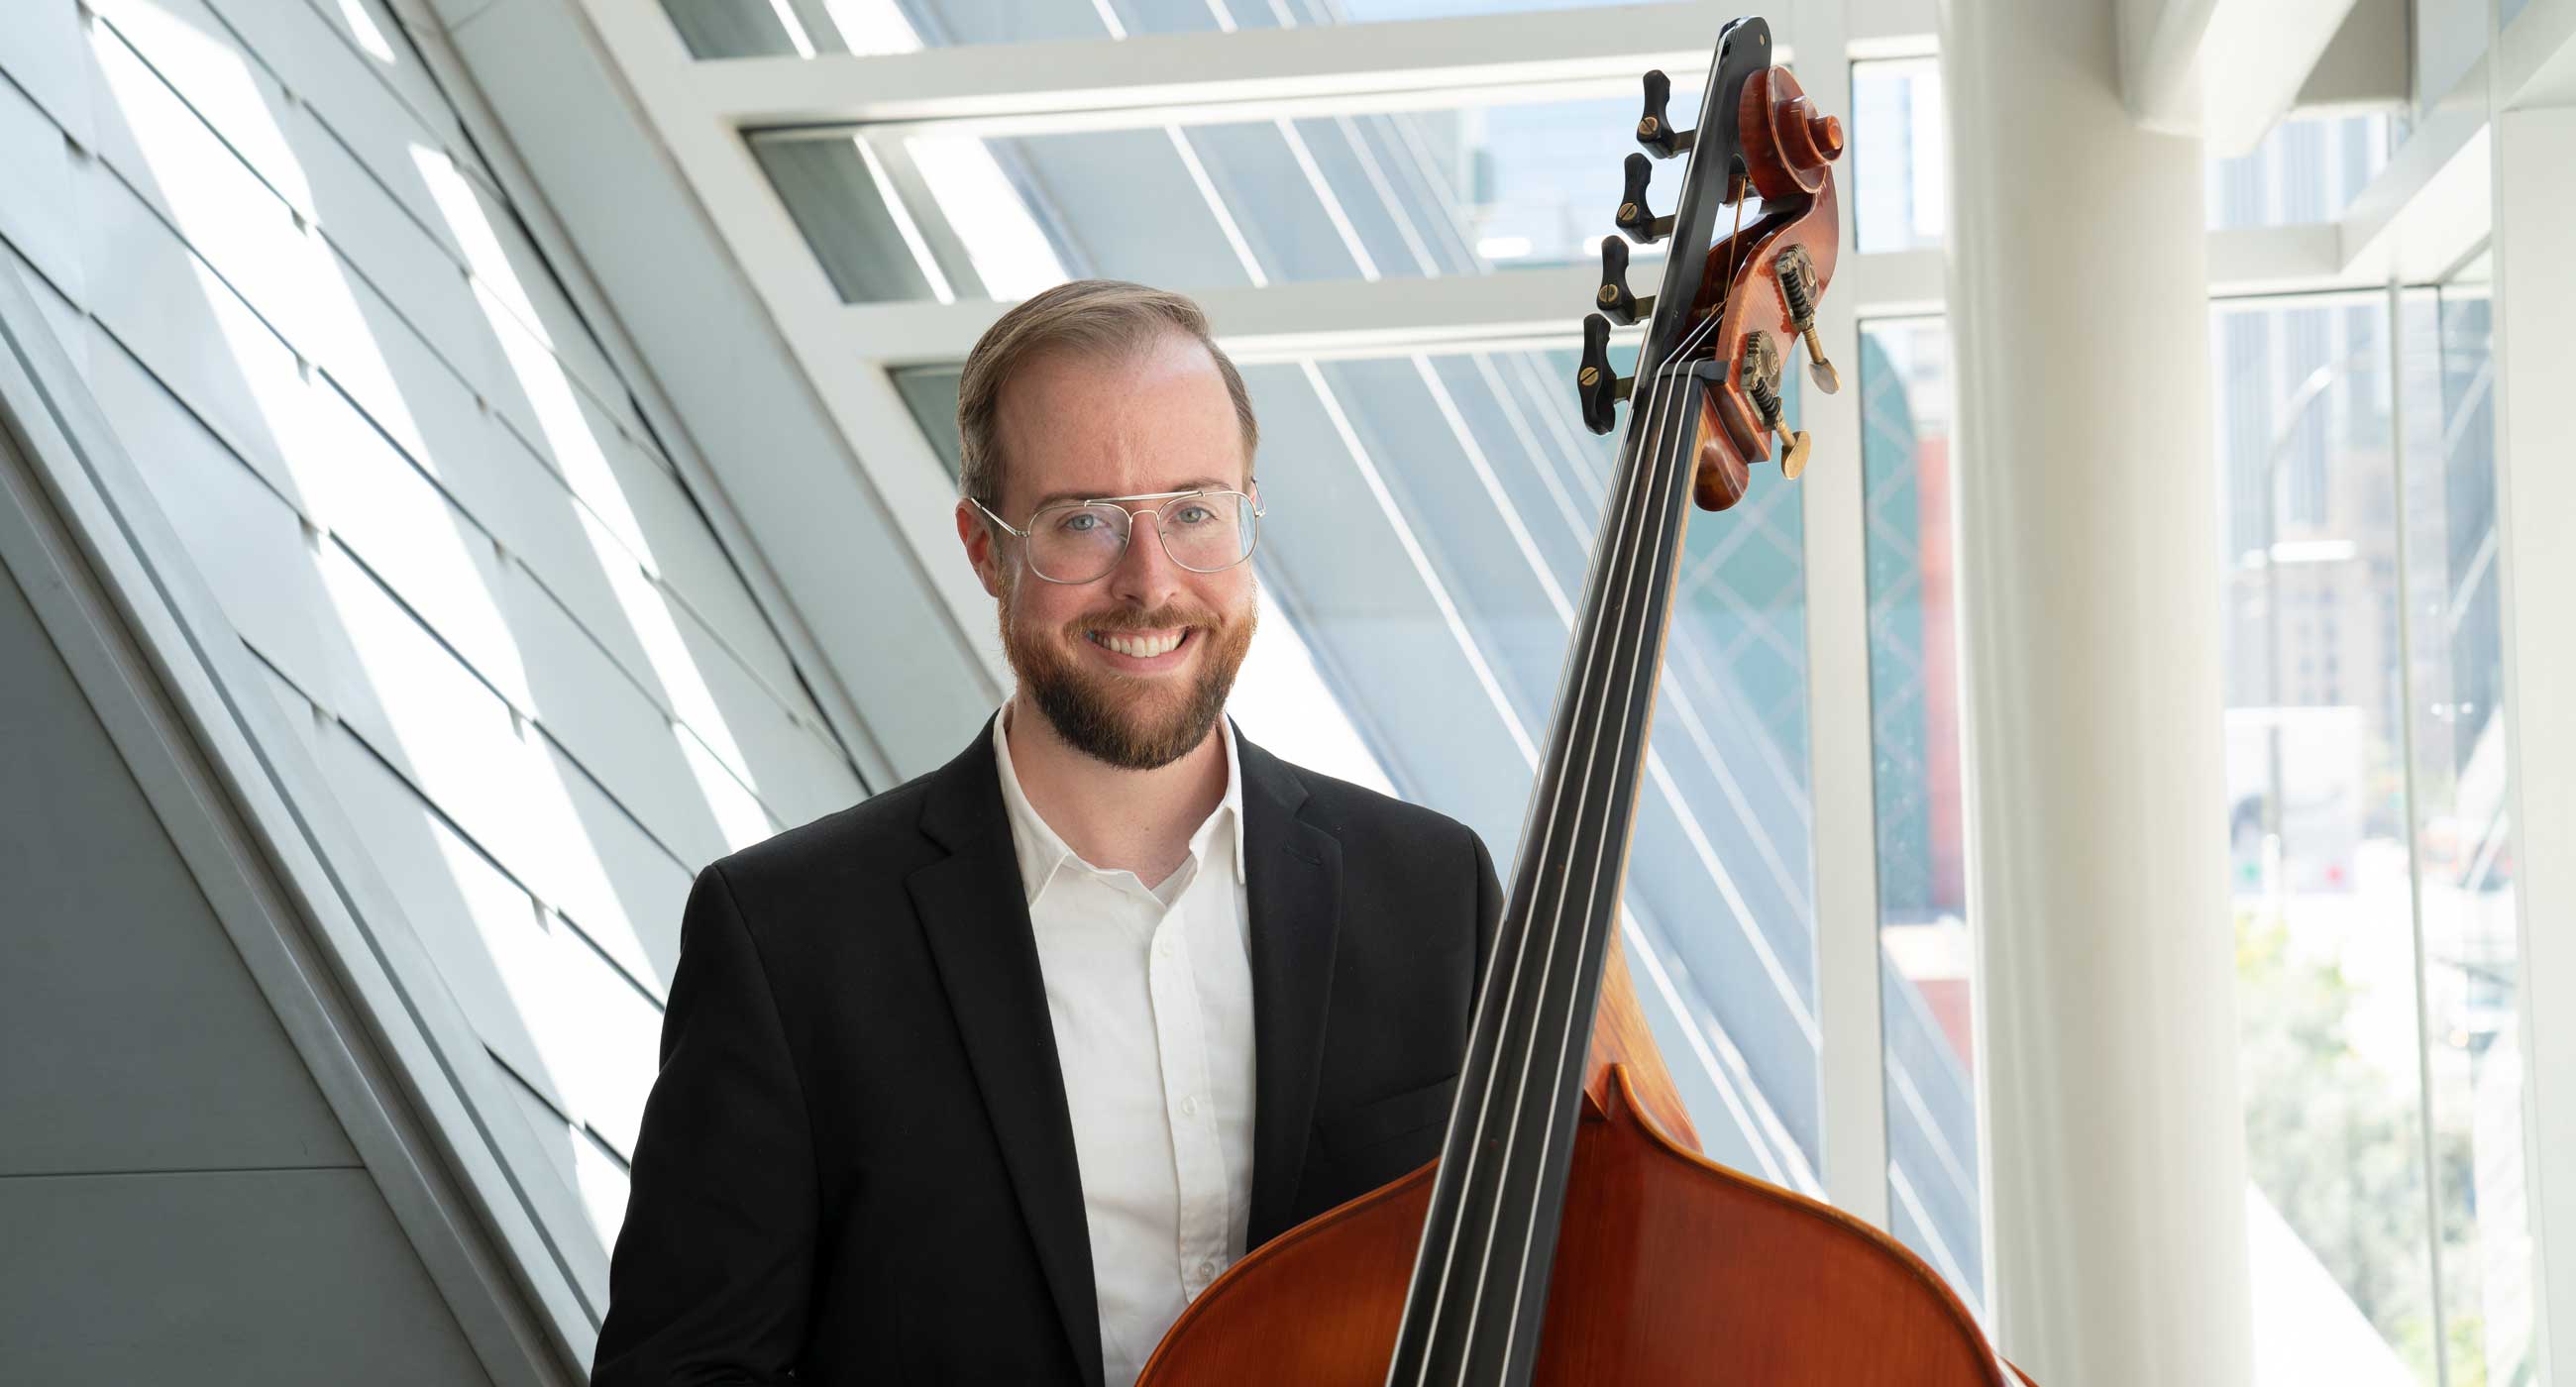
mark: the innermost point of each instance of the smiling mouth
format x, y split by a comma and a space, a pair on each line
1141, 645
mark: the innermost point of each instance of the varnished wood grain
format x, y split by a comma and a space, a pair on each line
1620, 1037
1669, 1270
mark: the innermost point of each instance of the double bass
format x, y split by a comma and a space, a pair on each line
1570, 1232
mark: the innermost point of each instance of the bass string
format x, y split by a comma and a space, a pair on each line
1653, 554
1659, 555
1633, 486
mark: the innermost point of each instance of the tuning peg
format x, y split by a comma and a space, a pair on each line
1636, 220
1599, 390
1798, 289
1655, 129
1761, 377
1623, 308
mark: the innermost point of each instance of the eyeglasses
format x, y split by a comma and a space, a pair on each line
1081, 541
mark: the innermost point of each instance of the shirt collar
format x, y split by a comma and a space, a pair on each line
1042, 851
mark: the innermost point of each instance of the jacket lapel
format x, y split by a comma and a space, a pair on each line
1293, 886
977, 924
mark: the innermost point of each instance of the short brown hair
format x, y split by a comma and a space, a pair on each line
1100, 317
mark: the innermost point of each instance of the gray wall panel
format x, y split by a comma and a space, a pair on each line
309, 59
560, 1013
634, 497
301, 717
246, 542
468, 913
649, 509
462, 747
207, 347
377, 38
71, 330
598, 1033
589, 707
257, 1278
131, 1038
40, 48
583, 1162
719, 359
35, 166
173, 89
529, 293
246, 383
626, 891
788, 764
419, 498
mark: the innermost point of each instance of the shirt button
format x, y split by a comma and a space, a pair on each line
1206, 1270
1190, 1106
1165, 947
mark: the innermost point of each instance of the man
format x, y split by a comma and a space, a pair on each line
982, 1080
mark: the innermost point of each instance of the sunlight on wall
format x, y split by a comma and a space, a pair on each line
422, 663
701, 732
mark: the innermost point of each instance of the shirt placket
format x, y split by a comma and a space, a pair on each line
1198, 1164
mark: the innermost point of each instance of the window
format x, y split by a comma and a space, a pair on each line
1934, 1198
2373, 872
920, 212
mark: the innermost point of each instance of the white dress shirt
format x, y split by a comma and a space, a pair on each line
1150, 993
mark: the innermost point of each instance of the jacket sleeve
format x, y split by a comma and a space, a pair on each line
713, 1267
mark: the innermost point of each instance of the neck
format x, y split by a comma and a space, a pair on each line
1114, 817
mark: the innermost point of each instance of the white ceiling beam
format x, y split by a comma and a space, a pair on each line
2253, 60
2365, 66
2432, 202
2225, 70
2540, 57
1345, 64
1328, 317
2160, 42
1539, 306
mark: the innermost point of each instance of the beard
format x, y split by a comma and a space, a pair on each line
1132, 723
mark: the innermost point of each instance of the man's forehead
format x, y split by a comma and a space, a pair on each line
1094, 429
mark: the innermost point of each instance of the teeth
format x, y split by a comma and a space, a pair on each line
1143, 648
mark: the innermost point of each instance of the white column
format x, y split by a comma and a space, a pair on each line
2090, 629
2535, 357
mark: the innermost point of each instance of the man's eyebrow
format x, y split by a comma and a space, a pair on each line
1193, 484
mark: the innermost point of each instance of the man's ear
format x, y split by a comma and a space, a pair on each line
983, 549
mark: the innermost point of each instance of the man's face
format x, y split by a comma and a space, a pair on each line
1076, 428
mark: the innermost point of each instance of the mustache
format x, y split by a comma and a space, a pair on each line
1159, 619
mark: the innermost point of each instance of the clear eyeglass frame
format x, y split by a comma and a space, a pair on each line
1168, 499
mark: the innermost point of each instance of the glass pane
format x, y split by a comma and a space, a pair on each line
839, 201
2315, 811
2463, 838
779, 28
908, 211
2309, 169
1934, 1201
1900, 170
1429, 522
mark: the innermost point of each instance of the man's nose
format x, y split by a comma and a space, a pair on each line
1145, 573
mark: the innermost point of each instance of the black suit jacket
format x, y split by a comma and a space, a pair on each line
857, 1165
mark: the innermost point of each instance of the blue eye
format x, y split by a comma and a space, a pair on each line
1077, 522
1197, 515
